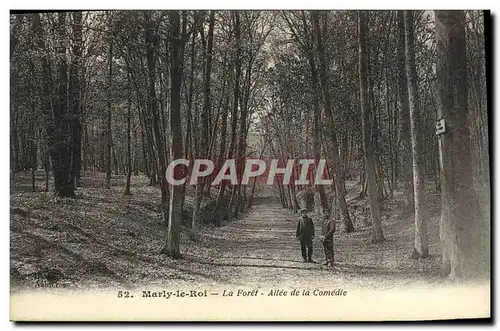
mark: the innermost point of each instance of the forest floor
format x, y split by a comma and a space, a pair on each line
104, 239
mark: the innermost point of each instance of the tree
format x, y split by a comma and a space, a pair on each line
204, 119
463, 231
75, 91
55, 108
307, 46
404, 113
337, 166
172, 247
234, 112
129, 150
421, 248
150, 39
109, 134
377, 234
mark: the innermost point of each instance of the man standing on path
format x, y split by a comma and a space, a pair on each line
328, 229
305, 234
327, 232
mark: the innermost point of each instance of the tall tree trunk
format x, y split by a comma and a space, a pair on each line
204, 122
150, 38
62, 118
75, 95
421, 248
234, 113
222, 154
463, 230
377, 234
404, 115
317, 126
14, 93
109, 142
240, 162
129, 150
33, 140
337, 165
190, 140
144, 139
172, 247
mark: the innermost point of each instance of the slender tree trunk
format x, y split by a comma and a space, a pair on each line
421, 248
291, 205
109, 141
404, 116
14, 80
282, 195
33, 134
377, 235
250, 199
222, 153
150, 38
172, 247
75, 95
145, 143
134, 153
337, 166
129, 150
240, 160
190, 140
204, 122
463, 230
234, 114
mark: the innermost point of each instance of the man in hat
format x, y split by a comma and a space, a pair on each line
327, 232
305, 234
328, 229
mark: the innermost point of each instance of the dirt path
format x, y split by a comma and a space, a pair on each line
103, 239
260, 250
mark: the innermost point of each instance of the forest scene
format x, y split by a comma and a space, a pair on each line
102, 102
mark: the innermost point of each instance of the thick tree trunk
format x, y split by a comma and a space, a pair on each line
172, 247
463, 230
337, 165
377, 234
62, 120
421, 248
317, 126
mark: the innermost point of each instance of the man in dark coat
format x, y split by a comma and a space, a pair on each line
327, 232
305, 234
